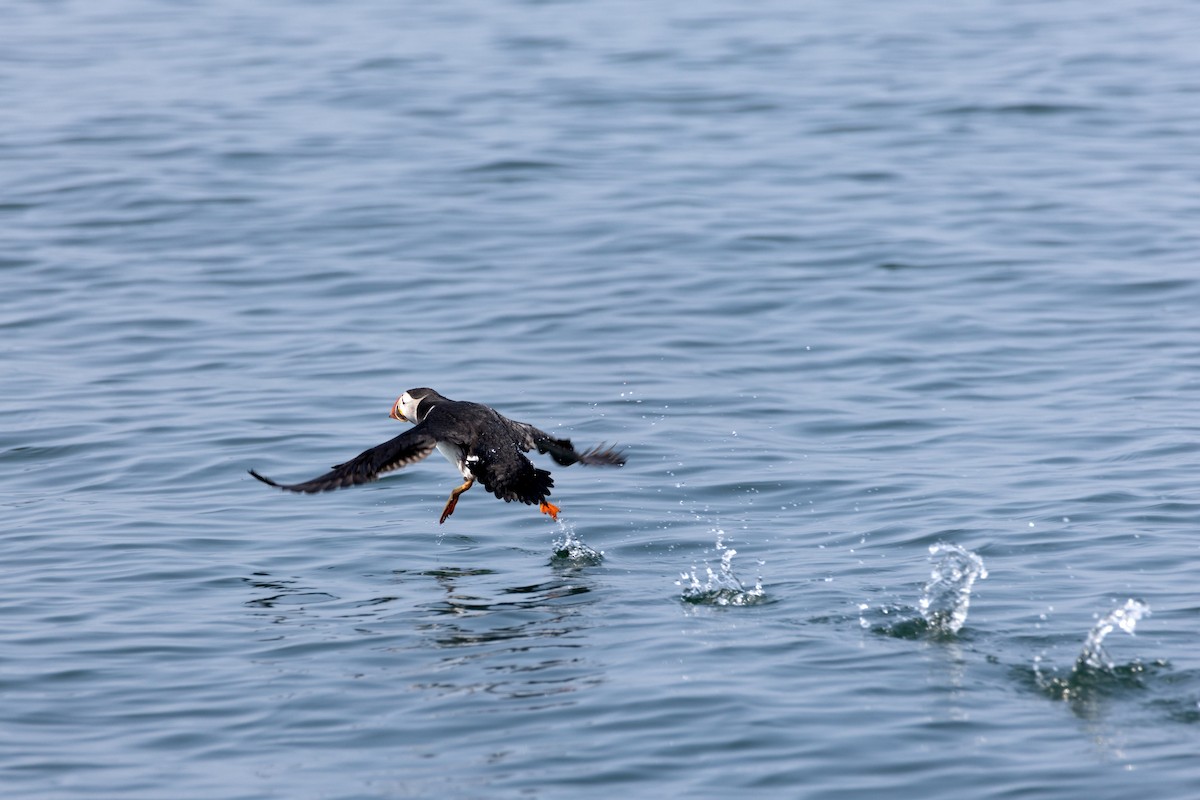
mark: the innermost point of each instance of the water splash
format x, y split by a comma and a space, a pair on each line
1093, 655
722, 587
570, 550
947, 595
1094, 672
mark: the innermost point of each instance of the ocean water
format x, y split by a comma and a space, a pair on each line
873, 296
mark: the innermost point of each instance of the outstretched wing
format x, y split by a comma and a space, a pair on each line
407, 448
562, 451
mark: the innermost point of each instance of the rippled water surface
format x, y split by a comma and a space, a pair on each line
848, 282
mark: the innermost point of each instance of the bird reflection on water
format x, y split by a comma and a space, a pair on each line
487, 630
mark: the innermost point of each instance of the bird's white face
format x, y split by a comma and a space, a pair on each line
405, 408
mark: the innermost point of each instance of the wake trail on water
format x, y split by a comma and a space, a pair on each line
943, 604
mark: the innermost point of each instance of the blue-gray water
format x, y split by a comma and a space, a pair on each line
847, 280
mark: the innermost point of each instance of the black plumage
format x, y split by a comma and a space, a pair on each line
485, 445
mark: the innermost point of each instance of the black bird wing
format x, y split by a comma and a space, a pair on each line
496, 460
407, 448
561, 450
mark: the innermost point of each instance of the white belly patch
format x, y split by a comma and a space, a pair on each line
454, 455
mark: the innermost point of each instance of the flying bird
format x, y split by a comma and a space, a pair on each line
481, 443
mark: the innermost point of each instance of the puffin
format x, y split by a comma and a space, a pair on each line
483, 444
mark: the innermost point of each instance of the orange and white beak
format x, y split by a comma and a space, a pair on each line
396, 411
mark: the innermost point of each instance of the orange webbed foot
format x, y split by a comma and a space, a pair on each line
549, 508
453, 501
